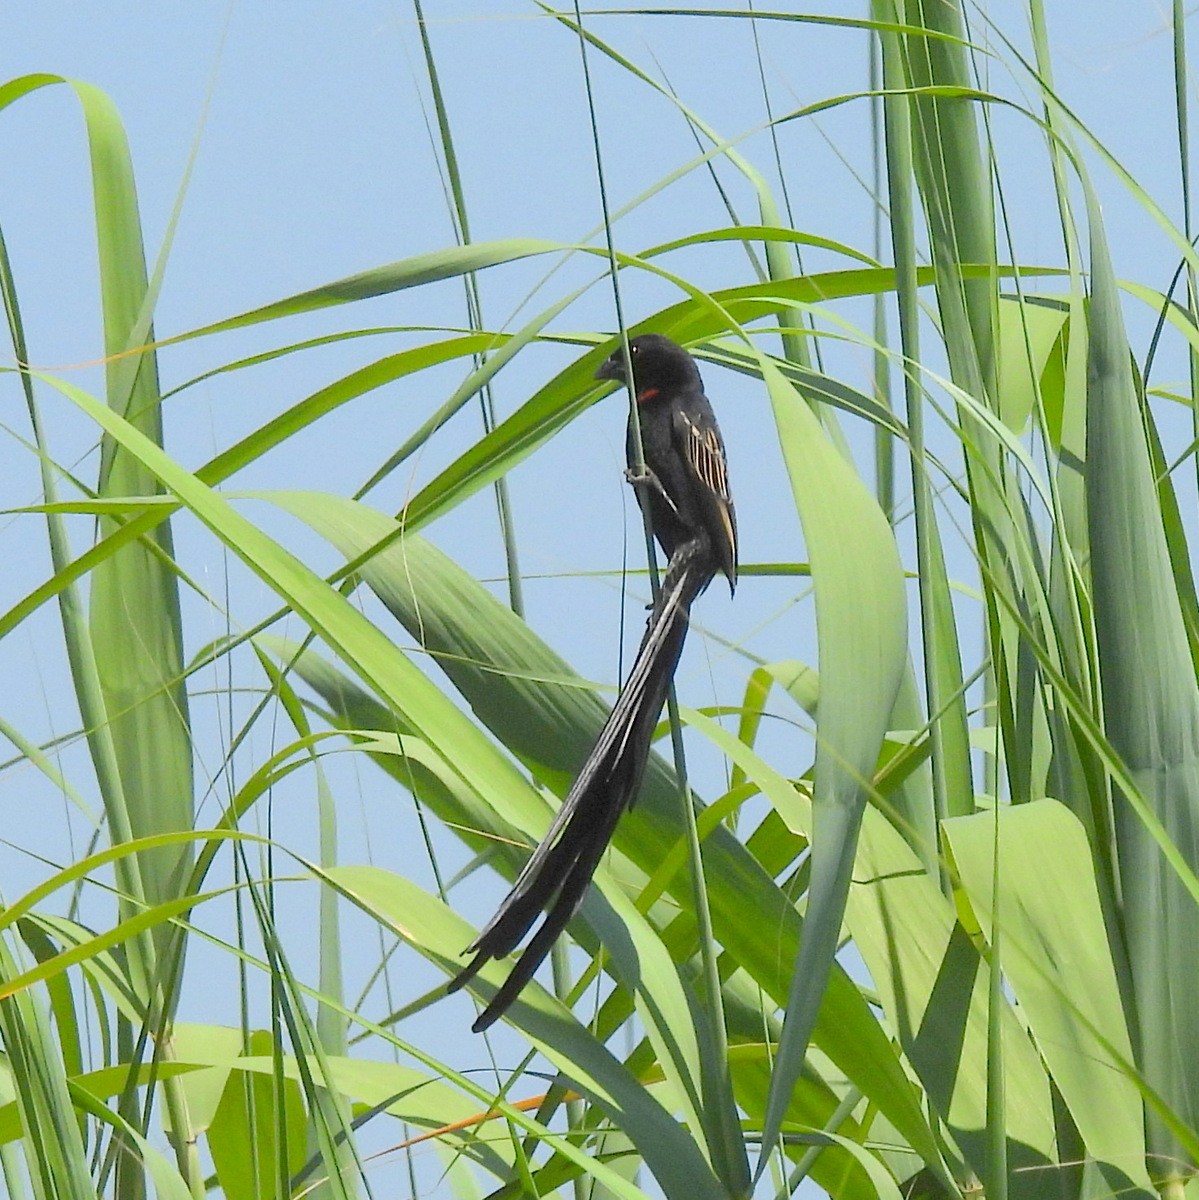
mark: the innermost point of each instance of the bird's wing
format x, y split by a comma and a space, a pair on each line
703, 450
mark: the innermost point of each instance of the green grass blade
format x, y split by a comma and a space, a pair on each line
329, 1028
952, 785
955, 182
382, 281
125, 670
1151, 710
1059, 965
54, 1151
862, 639
474, 303
934, 987
135, 622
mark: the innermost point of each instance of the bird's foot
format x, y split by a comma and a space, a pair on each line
645, 478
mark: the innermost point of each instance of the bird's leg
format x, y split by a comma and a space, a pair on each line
645, 478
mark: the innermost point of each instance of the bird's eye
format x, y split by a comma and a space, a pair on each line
633, 347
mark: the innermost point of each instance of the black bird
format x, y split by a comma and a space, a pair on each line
685, 479
683, 484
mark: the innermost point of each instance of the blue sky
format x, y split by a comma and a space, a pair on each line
308, 124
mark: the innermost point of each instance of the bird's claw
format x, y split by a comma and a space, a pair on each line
643, 477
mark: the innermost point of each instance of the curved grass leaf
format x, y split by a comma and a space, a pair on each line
1059, 964
861, 630
382, 281
1151, 711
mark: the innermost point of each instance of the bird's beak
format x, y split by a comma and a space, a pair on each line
612, 367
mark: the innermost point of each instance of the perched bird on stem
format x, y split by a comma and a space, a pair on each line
682, 484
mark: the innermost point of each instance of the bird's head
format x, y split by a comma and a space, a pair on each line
657, 363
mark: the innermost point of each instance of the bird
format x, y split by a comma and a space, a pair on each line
681, 483
683, 478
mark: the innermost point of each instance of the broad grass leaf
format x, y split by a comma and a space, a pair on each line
861, 627
1151, 710
1030, 347
1059, 965
933, 985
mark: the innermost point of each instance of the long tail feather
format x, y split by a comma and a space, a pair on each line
555, 878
